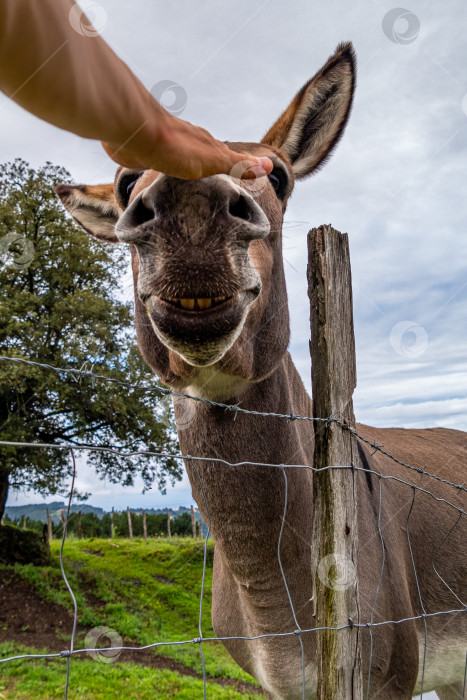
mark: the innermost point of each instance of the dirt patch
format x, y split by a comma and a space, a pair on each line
96, 553
132, 581
88, 588
163, 579
27, 619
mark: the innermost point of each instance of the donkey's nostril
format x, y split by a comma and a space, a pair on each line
240, 209
141, 213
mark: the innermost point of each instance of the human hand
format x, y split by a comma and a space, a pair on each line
180, 149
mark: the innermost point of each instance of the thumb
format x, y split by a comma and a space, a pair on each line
249, 167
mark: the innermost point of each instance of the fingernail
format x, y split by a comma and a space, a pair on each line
255, 171
265, 163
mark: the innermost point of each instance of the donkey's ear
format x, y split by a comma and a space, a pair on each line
94, 207
314, 121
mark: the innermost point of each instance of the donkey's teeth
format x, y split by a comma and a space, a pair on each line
198, 303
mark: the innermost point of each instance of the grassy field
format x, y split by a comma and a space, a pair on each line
147, 592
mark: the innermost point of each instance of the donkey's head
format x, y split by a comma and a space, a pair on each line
207, 254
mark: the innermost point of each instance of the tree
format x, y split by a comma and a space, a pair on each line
61, 305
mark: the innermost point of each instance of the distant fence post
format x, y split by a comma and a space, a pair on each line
145, 528
193, 522
130, 526
169, 515
335, 528
80, 526
49, 526
24, 522
112, 524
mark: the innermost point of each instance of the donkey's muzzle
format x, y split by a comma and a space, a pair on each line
194, 211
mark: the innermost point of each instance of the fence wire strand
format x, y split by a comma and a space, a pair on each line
298, 632
79, 374
67, 584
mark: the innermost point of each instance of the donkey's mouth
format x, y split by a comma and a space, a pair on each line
200, 329
197, 303
199, 311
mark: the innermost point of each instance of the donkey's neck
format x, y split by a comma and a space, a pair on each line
245, 504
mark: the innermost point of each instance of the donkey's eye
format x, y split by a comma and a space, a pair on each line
278, 180
125, 186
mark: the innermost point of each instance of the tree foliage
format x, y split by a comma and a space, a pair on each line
92, 526
61, 305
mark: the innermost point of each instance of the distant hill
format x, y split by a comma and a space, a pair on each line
38, 511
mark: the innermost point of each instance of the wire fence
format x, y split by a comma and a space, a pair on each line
199, 639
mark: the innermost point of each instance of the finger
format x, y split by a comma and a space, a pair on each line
261, 167
251, 167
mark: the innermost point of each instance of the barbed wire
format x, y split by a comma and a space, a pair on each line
235, 408
193, 460
219, 460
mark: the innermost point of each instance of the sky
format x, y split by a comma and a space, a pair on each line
396, 182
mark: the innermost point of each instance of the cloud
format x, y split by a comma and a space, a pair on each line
395, 182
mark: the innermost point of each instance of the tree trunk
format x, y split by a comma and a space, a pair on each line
130, 527
4, 484
49, 526
193, 522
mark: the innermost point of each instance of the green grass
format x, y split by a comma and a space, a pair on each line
90, 680
148, 592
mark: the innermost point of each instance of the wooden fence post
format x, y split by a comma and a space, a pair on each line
145, 528
112, 524
80, 526
335, 527
169, 515
24, 522
193, 522
49, 526
130, 526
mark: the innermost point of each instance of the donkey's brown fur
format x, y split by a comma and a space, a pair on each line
212, 319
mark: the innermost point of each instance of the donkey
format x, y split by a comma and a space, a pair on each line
212, 321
